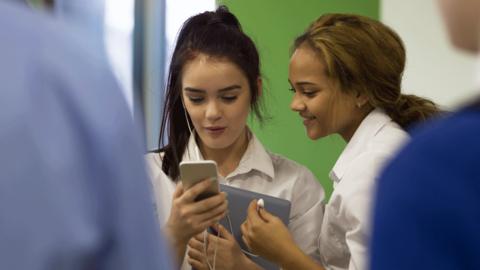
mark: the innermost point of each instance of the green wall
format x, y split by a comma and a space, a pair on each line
273, 24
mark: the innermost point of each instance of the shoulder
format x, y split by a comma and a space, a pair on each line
455, 135
381, 149
388, 139
462, 127
441, 158
433, 177
154, 159
154, 163
358, 183
282, 163
161, 182
45, 37
450, 143
307, 194
52, 65
293, 170
373, 150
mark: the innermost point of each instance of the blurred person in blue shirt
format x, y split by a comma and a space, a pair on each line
427, 213
73, 190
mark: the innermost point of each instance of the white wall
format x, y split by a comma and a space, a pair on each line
119, 18
434, 68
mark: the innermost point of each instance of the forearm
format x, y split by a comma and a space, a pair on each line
296, 259
180, 250
250, 265
178, 246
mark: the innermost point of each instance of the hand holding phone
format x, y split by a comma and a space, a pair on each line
191, 213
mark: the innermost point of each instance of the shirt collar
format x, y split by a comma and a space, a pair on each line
255, 157
368, 128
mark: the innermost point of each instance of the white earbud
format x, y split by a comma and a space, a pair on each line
260, 204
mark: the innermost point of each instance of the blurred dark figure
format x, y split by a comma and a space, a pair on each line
73, 190
428, 200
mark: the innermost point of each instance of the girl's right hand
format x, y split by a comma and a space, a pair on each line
262, 230
188, 217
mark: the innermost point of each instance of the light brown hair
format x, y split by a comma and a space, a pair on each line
365, 56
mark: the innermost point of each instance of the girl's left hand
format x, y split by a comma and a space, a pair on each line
266, 235
229, 255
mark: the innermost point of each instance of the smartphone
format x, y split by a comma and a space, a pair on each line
192, 172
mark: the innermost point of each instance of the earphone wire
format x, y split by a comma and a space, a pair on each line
205, 239
205, 233
231, 231
197, 153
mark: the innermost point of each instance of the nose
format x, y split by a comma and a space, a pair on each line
213, 111
297, 104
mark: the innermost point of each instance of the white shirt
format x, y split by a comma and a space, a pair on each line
263, 172
477, 73
346, 226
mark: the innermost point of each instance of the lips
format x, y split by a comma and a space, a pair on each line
215, 130
307, 120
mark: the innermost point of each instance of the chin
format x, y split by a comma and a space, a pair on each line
313, 135
217, 144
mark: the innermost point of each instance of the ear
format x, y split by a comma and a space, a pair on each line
361, 99
259, 86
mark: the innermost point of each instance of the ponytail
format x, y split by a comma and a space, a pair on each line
410, 109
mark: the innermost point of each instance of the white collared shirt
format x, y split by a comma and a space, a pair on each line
477, 73
346, 226
263, 172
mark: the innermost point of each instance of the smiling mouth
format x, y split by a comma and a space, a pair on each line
307, 121
304, 117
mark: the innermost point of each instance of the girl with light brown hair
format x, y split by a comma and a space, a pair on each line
345, 72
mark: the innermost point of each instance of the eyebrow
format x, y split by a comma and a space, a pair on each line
301, 83
221, 90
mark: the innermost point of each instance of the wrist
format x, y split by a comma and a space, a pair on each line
177, 245
285, 248
175, 238
290, 257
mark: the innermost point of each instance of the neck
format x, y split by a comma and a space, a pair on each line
227, 158
348, 132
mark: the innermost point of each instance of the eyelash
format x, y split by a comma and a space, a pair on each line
310, 94
227, 99
195, 100
305, 93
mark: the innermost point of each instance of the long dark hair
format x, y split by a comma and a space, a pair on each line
217, 34
366, 56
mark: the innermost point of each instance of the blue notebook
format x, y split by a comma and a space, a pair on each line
238, 201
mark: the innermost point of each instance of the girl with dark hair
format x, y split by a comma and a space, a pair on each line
345, 74
213, 85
